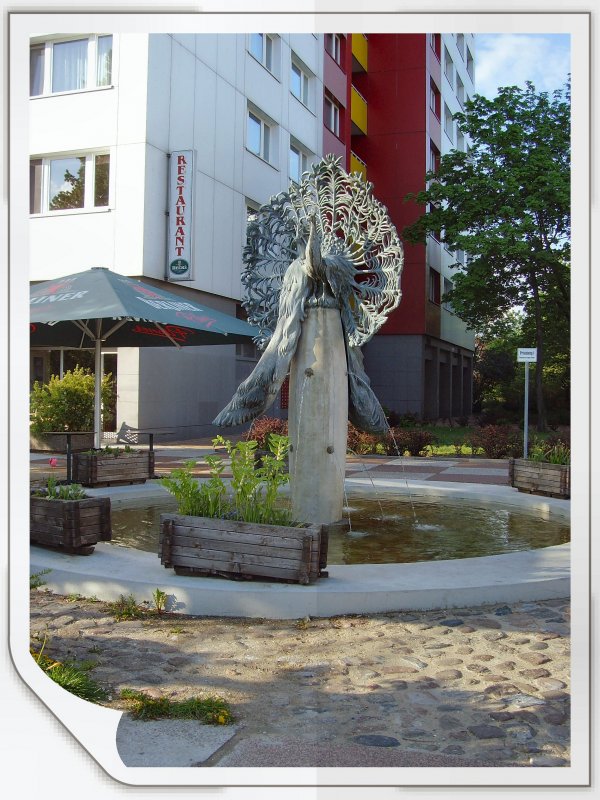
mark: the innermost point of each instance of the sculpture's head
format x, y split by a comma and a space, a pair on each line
312, 256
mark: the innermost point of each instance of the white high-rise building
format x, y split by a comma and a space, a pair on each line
106, 113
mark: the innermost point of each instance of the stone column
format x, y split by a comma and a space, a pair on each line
318, 418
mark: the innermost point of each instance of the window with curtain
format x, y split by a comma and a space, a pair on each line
36, 70
69, 65
104, 61
76, 65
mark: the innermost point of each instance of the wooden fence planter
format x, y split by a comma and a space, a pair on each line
242, 550
540, 477
105, 469
73, 526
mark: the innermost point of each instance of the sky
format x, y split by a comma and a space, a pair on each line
508, 59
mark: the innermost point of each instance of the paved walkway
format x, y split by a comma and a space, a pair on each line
475, 686
446, 469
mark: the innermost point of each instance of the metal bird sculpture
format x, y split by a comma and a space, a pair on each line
325, 242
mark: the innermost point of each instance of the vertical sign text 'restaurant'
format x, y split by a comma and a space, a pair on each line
180, 235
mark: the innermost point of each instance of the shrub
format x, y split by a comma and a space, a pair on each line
54, 491
66, 404
497, 441
361, 443
262, 428
415, 441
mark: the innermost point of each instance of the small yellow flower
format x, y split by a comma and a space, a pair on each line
221, 719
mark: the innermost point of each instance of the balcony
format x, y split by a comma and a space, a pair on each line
358, 113
359, 52
358, 165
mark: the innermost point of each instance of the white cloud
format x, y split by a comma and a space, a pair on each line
512, 59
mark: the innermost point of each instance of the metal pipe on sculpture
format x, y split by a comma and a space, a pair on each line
322, 273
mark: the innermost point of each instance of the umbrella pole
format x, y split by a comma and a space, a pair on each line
98, 393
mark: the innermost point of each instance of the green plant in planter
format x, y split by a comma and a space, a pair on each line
66, 404
111, 451
559, 453
254, 491
53, 491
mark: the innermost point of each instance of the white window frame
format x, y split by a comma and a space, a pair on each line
303, 161
460, 44
266, 137
448, 123
267, 49
335, 48
332, 116
470, 64
448, 67
304, 78
89, 188
91, 83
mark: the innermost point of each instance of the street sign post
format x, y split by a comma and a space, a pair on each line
526, 355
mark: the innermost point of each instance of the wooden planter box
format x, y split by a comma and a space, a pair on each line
540, 477
74, 526
57, 442
98, 469
242, 550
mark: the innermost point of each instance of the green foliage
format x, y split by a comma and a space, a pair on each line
67, 404
551, 452
35, 579
160, 600
54, 491
254, 490
71, 676
126, 607
507, 204
210, 710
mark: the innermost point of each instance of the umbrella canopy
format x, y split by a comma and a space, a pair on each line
99, 307
77, 310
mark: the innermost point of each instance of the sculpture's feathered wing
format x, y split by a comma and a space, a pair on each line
327, 234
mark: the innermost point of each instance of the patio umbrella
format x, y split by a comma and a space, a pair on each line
97, 307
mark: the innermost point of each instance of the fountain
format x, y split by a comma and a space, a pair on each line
323, 263
322, 272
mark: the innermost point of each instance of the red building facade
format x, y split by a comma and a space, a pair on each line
392, 92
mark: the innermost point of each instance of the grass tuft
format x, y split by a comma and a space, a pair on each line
210, 710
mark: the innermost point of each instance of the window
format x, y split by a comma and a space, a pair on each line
460, 141
333, 45
460, 44
460, 91
70, 182
434, 43
448, 123
434, 158
448, 67
448, 286
258, 136
434, 286
332, 115
298, 163
261, 47
434, 98
70, 66
299, 83
470, 66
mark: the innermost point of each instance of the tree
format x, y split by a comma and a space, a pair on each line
506, 202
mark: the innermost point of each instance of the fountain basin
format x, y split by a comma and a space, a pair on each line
529, 575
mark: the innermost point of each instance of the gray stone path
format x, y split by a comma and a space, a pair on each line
486, 684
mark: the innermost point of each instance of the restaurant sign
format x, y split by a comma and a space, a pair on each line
180, 232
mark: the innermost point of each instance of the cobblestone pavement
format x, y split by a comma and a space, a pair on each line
489, 683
